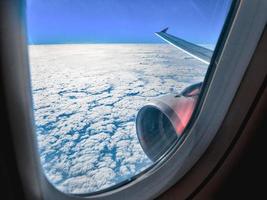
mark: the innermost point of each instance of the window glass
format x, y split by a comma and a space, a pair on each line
110, 96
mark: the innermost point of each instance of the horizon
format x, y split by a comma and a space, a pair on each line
208, 46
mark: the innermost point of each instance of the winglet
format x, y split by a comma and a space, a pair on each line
201, 53
164, 30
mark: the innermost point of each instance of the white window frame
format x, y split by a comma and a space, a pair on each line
230, 65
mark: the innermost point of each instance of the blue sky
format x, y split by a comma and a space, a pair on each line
123, 21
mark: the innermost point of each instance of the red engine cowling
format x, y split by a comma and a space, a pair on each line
162, 121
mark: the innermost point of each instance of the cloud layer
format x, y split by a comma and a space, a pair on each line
86, 98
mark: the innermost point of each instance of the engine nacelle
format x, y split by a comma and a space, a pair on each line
163, 120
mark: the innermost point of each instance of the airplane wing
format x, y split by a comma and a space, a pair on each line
201, 53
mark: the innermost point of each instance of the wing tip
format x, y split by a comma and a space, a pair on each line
164, 30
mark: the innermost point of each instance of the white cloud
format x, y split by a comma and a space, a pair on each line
86, 99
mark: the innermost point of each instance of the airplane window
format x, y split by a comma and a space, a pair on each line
115, 83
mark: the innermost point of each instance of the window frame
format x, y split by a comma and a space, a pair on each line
231, 59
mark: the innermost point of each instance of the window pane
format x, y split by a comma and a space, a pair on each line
95, 65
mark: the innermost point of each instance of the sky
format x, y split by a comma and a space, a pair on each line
123, 21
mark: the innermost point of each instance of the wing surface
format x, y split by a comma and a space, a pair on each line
201, 53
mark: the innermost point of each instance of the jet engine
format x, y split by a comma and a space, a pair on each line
162, 121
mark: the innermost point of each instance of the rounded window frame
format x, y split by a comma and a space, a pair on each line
230, 60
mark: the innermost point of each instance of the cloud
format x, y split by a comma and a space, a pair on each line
85, 107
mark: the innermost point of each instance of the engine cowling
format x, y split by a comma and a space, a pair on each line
162, 121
